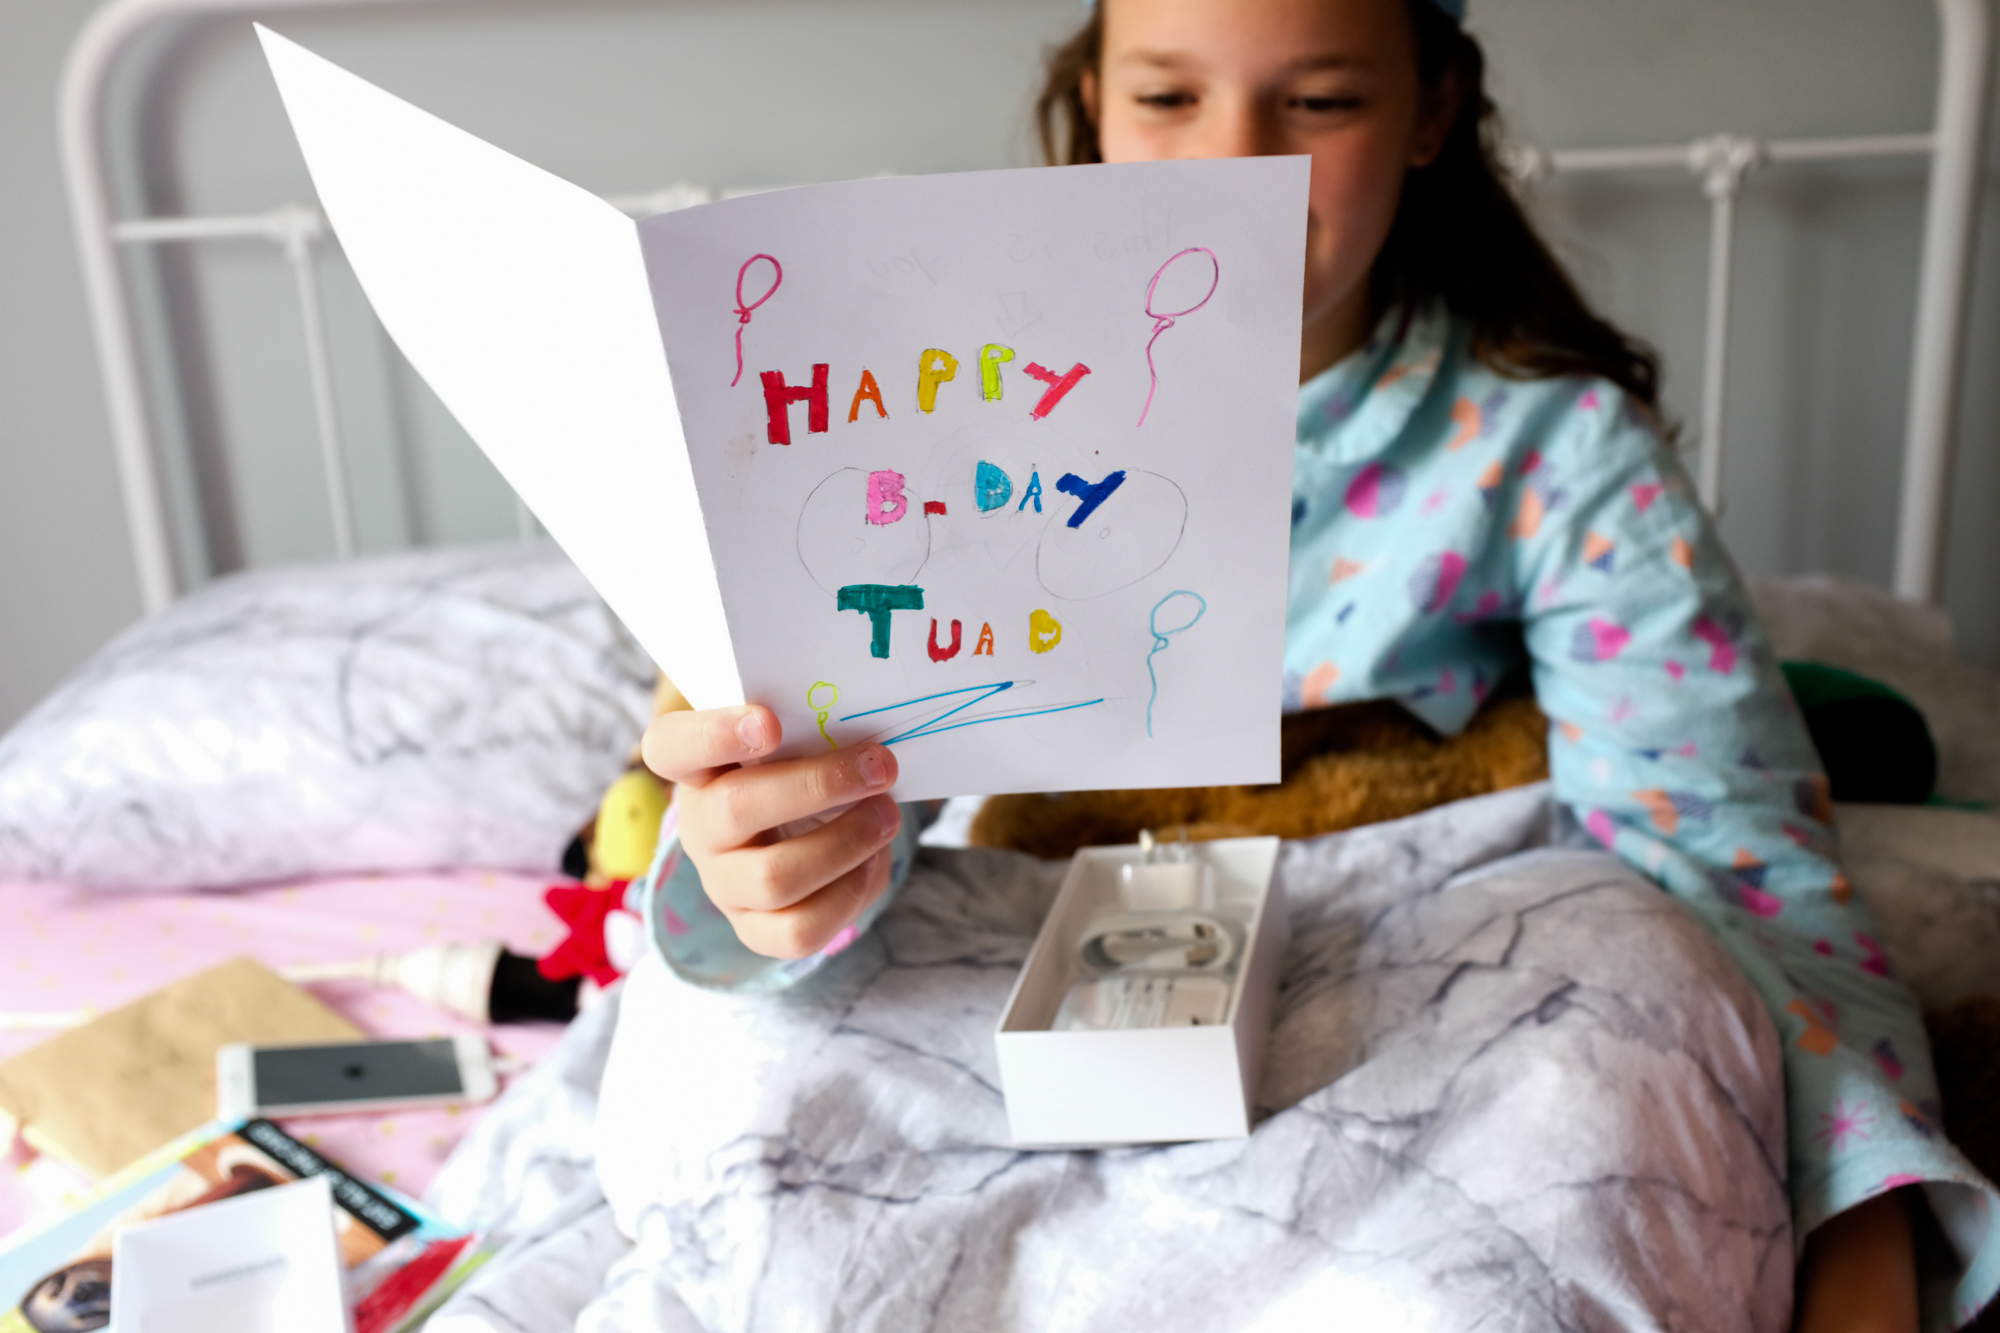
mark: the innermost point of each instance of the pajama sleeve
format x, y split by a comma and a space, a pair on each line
1676, 743
696, 941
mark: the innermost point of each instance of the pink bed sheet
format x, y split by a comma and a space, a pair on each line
62, 948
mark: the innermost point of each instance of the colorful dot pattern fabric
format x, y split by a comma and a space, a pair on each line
65, 949
694, 938
1451, 525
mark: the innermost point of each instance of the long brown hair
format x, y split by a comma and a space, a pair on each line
1459, 235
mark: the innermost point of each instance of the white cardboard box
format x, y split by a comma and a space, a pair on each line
1142, 1085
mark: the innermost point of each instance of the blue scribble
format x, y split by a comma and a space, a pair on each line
1160, 638
983, 693
1088, 496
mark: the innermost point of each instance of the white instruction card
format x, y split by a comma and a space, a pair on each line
263, 1262
993, 468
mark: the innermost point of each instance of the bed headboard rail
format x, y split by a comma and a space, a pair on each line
1720, 164
1965, 69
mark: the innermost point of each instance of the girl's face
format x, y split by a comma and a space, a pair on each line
1333, 79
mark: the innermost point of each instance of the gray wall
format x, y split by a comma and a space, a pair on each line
66, 578
627, 96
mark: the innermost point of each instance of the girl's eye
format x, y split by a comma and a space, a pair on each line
1169, 101
1329, 103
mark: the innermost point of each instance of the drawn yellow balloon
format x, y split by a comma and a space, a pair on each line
833, 698
1044, 631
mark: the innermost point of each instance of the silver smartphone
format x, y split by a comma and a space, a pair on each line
351, 1076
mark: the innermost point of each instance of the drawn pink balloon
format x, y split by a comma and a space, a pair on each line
743, 310
1164, 319
1153, 287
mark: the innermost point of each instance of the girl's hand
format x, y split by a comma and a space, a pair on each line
1859, 1272
792, 851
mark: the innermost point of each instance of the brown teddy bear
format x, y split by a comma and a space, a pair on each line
1339, 768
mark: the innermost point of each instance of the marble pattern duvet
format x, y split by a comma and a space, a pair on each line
1428, 1156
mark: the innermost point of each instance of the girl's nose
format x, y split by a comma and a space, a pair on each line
1234, 127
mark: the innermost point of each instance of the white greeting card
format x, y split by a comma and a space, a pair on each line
993, 468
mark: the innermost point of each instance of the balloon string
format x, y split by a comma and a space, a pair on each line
1160, 640
1165, 322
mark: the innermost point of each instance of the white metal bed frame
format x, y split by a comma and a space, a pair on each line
1721, 163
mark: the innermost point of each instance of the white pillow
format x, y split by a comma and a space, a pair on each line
1908, 647
1932, 878
461, 707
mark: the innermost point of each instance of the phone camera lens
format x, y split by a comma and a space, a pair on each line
353, 1071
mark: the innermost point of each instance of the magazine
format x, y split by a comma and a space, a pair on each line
401, 1260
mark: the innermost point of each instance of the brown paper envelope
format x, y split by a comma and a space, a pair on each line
103, 1094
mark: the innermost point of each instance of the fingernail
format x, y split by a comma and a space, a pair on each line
750, 731
872, 766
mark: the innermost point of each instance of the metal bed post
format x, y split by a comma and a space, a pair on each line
1956, 147
1722, 162
95, 54
305, 229
1965, 62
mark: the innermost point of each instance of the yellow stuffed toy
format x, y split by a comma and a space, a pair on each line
627, 827
619, 841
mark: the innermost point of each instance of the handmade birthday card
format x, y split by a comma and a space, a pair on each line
992, 468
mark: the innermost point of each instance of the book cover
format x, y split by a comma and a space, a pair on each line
400, 1258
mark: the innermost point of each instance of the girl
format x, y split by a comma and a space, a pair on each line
1479, 479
